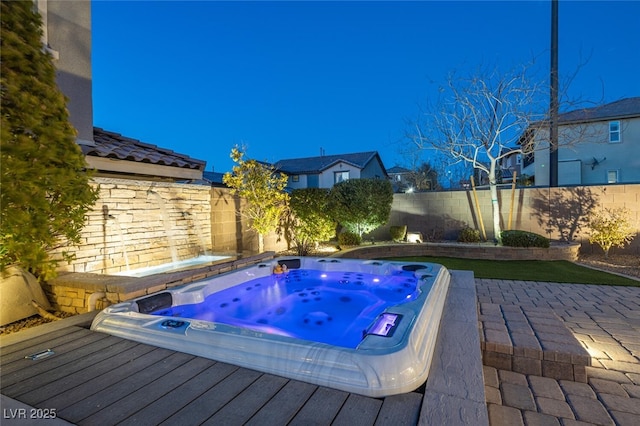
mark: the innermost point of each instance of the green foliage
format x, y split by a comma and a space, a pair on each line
262, 188
523, 239
361, 205
610, 227
44, 187
311, 221
469, 235
348, 238
398, 233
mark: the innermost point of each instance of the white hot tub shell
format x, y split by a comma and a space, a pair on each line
379, 366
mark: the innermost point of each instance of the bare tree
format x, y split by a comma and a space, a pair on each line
479, 119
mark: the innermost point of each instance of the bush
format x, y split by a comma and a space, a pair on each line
523, 239
348, 238
469, 235
398, 233
610, 227
361, 205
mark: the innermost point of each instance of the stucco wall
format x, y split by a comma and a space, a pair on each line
230, 231
558, 213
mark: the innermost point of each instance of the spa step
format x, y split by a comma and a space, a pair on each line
530, 340
454, 392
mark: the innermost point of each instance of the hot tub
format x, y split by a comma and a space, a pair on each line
367, 327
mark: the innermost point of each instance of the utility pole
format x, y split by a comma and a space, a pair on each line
553, 107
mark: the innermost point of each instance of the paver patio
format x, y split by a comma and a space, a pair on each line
606, 321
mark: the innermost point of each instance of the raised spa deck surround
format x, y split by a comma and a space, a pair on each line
265, 316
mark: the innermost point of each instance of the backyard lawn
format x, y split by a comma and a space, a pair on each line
560, 271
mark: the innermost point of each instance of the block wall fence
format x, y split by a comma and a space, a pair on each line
137, 224
558, 213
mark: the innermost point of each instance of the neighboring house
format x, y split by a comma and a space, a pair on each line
67, 36
401, 179
510, 163
599, 145
214, 179
327, 170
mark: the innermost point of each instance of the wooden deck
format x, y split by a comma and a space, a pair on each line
97, 379
94, 378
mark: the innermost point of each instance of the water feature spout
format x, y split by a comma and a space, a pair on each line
164, 217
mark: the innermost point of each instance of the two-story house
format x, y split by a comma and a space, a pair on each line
327, 170
599, 145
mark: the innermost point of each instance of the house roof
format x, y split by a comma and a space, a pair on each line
398, 170
628, 107
311, 165
214, 178
115, 146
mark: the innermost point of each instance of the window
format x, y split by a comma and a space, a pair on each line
295, 178
612, 176
518, 159
340, 176
614, 131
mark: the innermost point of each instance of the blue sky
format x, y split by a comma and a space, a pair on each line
287, 79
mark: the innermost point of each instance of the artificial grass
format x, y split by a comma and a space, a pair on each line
560, 271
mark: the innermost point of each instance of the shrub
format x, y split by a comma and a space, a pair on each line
310, 222
348, 238
46, 188
469, 235
610, 227
523, 239
361, 205
398, 233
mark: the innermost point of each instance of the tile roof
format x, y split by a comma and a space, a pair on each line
114, 145
318, 164
629, 107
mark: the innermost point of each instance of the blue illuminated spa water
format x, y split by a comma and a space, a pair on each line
337, 308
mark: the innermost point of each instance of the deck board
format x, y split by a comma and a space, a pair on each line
321, 408
41, 372
167, 405
99, 365
358, 410
284, 405
109, 396
203, 407
15, 360
142, 397
16, 351
243, 406
140, 357
94, 378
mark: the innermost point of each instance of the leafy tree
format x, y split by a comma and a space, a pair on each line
311, 221
610, 227
45, 190
263, 190
361, 205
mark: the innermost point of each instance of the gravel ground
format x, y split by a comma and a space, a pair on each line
621, 264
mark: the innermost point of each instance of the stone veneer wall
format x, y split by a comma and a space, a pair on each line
143, 224
73, 292
558, 213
